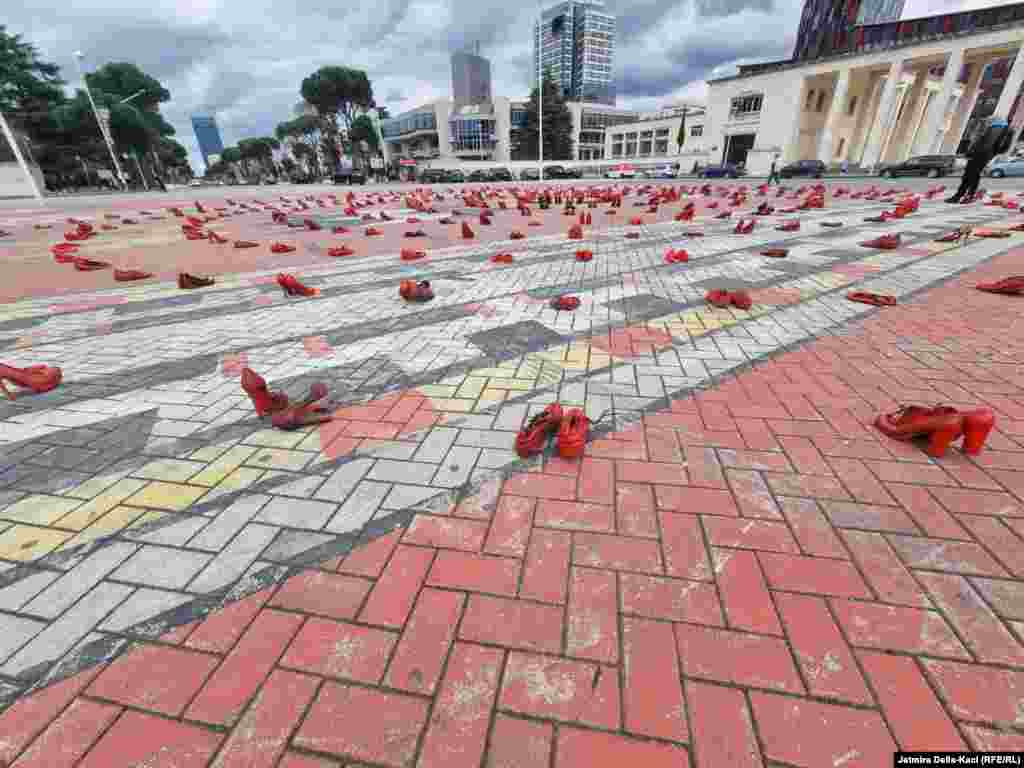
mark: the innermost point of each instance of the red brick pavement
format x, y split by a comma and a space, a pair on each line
754, 576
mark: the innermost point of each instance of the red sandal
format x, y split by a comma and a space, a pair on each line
534, 435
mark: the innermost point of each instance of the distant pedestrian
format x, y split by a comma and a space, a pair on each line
773, 174
995, 139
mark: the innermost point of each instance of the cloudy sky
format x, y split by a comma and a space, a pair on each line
245, 59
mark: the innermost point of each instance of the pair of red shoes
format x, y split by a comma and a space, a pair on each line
875, 299
572, 427
673, 256
38, 378
565, 303
942, 425
743, 227
884, 242
738, 299
502, 258
1009, 286
408, 254
410, 290
789, 226
285, 415
292, 287
584, 255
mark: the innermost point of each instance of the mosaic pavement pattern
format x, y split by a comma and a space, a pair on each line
751, 533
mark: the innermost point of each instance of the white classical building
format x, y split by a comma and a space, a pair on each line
880, 102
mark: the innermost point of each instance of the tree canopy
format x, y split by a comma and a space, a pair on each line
339, 95
558, 142
26, 82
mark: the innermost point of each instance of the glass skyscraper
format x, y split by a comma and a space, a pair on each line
471, 79
208, 136
575, 43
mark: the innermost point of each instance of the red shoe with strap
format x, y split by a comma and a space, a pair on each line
572, 434
263, 400
502, 258
1009, 286
673, 256
408, 254
38, 378
534, 435
875, 299
584, 255
565, 303
884, 242
942, 425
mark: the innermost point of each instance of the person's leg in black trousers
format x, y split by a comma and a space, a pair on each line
969, 181
975, 179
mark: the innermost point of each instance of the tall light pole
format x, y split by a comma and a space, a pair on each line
540, 90
103, 128
134, 153
5, 129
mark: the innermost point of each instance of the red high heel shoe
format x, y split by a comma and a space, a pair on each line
572, 434
676, 256
306, 413
515, 234
575, 232
410, 290
565, 303
414, 233
218, 239
718, 298
341, 250
776, 253
263, 400
187, 281
977, 425
942, 425
467, 231
532, 437
83, 264
584, 255
127, 275
293, 287
38, 378
408, 254
341, 230
281, 248
372, 232
1010, 286
502, 258
875, 299
741, 300
311, 225
883, 242
245, 244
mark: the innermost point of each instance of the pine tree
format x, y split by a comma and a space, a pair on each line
558, 138
681, 137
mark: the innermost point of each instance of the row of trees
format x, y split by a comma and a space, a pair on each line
61, 132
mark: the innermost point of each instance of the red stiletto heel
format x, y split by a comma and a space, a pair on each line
262, 398
305, 413
572, 434
977, 426
939, 440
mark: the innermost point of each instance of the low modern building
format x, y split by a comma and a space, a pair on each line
898, 89
656, 135
590, 124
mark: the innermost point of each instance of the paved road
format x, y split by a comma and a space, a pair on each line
741, 571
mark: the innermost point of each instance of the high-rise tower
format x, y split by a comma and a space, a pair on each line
471, 79
208, 137
575, 43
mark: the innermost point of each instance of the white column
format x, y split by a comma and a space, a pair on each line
929, 95
891, 125
1011, 88
931, 137
835, 110
873, 151
792, 151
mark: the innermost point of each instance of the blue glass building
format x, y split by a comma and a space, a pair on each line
208, 136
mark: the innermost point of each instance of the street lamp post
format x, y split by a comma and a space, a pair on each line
103, 128
8, 134
135, 154
540, 90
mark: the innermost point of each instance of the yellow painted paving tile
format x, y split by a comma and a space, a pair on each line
241, 478
118, 519
517, 385
436, 390
208, 453
451, 404
171, 470
39, 509
94, 486
471, 387
279, 458
231, 459
27, 542
166, 496
493, 395
274, 438
92, 510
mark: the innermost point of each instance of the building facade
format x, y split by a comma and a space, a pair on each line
211, 147
656, 135
574, 43
471, 79
590, 125
906, 88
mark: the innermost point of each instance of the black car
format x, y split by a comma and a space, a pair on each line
349, 176
815, 169
932, 166
561, 172
434, 176
719, 171
529, 174
478, 175
454, 176
501, 174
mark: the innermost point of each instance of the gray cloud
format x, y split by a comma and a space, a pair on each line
244, 59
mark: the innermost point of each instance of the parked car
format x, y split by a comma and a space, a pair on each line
195, 183
1006, 166
502, 174
664, 171
561, 172
720, 171
269, 180
478, 175
623, 171
529, 174
815, 169
433, 176
932, 166
454, 176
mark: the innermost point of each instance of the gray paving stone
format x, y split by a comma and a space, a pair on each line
171, 534
229, 521
80, 579
436, 444
164, 567
297, 513
235, 559
360, 507
408, 496
456, 467
62, 635
290, 544
402, 472
143, 605
515, 339
344, 479
14, 596
17, 631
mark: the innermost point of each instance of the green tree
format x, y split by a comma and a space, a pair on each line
339, 94
681, 136
558, 142
363, 130
302, 136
